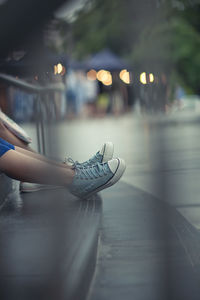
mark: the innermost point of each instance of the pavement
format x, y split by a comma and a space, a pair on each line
146, 251
161, 153
5, 187
139, 240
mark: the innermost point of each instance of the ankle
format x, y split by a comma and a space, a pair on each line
71, 175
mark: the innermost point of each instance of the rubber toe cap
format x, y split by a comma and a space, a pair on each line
113, 165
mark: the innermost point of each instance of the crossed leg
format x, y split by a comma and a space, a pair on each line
25, 166
22, 147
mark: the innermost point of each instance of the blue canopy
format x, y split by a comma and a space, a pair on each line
106, 60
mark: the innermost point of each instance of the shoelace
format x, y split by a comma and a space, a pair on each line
90, 161
92, 172
94, 158
72, 162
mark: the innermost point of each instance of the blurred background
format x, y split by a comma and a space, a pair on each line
102, 59
111, 58
75, 74
109, 70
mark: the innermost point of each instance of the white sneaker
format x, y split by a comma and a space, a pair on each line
90, 180
27, 187
102, 156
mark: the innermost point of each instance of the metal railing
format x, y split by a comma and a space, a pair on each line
42, 93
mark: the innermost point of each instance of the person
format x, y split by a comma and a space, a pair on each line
11, 137
82, 179
16, 139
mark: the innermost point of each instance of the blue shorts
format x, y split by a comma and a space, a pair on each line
5, 146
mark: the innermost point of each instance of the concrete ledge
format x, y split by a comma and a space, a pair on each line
5, 187
54, 236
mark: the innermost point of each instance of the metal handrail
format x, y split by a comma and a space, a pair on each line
40, 91
31, 87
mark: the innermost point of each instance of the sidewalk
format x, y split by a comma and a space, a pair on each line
149, 241
147, 250
156, 148
5, 187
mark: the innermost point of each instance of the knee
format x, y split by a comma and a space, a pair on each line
2, 127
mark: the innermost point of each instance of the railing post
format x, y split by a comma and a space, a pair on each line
41, 104
41, 92
37, 118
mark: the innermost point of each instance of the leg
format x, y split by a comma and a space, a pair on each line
25, 168
22, 147
40, 157
11, 138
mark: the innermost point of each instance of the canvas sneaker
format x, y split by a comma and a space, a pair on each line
103, 155
90, 180
28, 187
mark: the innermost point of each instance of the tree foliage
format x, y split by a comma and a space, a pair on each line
159, 36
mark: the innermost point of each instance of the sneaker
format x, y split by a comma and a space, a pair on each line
104, 155
27, 187
90, 180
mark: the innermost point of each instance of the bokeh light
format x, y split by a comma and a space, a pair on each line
151, 77
59, 69
143, 78
105, 77
92, 75
125, 76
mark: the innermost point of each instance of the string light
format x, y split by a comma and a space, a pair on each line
151, 77
143, 78
125, 76
59, 69
92, 75
105, 77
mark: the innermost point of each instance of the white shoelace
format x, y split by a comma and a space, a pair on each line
93, 172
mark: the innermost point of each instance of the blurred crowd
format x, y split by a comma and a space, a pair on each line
79, 98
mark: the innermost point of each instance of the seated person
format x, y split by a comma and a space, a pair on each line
82, 179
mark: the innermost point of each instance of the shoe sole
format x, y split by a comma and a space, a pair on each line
116, 176
37, 189
108, 152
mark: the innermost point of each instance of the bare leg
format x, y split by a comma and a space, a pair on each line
29, 169
40, 157
22, 147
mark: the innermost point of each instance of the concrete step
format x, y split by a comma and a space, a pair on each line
5, 187
48, 245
